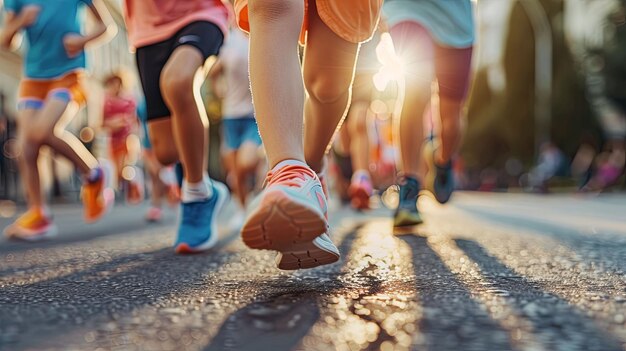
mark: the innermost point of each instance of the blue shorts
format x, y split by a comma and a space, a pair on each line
237, 131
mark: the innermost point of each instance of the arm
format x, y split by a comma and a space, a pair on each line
14, 22
104, 29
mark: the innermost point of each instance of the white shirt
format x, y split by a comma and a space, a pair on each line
237, 101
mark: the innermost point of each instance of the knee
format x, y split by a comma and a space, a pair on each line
177, 83
326, 90
271, 11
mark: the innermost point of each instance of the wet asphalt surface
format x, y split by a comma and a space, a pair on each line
487, 272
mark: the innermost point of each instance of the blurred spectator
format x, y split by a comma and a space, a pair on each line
120, 120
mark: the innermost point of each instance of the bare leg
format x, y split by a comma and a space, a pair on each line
415, 47
162, 139
28, 155
327, 79
246, 163
180, 83
52, 120
359, 146
452, 68
275, 76
158, 187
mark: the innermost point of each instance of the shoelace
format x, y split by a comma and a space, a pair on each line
288, 175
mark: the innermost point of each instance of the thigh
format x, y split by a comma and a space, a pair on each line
329, 60
415, 48
452, 69
204, 36
150, 63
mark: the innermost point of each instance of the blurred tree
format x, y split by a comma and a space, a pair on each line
614, 54
501, 124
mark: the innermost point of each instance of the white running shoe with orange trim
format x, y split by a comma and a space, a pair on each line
34, 225
290, 217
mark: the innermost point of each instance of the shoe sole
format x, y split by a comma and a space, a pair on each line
359, 199
184, 248
407, 222
306, 255
30, 236
281, 223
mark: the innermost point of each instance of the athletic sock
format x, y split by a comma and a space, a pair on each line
196, 192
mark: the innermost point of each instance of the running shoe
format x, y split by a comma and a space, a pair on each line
97, 195
34, 225
407, 214
360, 191
288, 217
197, 231
134, 195
154, 214
440, 179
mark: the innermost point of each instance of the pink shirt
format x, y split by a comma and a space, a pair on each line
152, 21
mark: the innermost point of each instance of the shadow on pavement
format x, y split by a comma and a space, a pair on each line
555, 322
452, 319
85, 232
604, 250
43, 312
279, 321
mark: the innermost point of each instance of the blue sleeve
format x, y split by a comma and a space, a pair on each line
87, 2
12, 6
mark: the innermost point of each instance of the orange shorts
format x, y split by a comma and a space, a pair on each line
352, 20
33, 92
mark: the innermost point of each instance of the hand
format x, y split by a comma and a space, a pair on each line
29, 15
74, 44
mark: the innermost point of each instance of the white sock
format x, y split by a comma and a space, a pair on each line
284, 163
200, 191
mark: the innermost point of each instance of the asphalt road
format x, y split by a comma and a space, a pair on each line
487, 272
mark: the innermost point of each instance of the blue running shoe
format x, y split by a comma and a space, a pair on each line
197, 230
440, 179
407, 214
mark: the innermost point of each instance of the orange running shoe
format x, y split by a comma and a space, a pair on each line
290, 217
134, 195
360, 191
33, 225
98, 197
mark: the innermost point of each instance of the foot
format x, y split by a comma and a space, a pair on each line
154, 214
134, 195
290, 217
360, 191
407, 214
34, 225
440, 180
197, 231
97, 196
